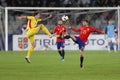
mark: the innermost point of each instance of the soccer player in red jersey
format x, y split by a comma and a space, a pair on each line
60, 29
84, 32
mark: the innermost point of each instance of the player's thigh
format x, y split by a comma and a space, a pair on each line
73, 37
113, 40
109, 40
32, 39
80, 44
33, 31
62, 45
58, 44
36, 29
30, 33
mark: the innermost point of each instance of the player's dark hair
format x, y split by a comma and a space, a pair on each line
86, 20
110, 20
60, 20
35, 13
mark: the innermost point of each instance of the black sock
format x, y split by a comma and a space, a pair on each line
81, 59
67, 37
63, 54
60, 53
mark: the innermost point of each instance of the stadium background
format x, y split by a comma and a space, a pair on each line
46, 65
98, 18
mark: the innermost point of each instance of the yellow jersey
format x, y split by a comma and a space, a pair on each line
32, 22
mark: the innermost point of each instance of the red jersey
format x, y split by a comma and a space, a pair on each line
59, 29
85, 32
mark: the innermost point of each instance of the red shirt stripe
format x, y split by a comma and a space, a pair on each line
30, 26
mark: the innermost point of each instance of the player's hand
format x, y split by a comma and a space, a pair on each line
50, 16
18, 18
70, 27
103, 32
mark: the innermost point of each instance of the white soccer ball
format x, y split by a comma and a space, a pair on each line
65, 18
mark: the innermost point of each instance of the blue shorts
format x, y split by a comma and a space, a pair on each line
60, 45
80, 43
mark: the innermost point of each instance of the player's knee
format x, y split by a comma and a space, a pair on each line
62, 48
33, 45
40, 25
71, 35
81, 53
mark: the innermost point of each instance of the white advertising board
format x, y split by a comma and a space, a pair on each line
43, 42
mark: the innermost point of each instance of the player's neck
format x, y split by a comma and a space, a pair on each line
85, 25
59, 24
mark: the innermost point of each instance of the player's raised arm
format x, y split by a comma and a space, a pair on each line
99, 31
96, 30
44, 19
74, 29
21, 17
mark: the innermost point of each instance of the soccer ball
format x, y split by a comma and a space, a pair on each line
65, 18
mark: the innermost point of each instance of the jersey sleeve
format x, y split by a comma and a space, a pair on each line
29, 17
75, 30
55, 30
95, 30
40, 20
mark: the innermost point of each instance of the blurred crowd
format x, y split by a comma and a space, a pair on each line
60, 3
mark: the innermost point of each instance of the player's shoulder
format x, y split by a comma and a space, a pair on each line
30, 17
56, 26
91, 27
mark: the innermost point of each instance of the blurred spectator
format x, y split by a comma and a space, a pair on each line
101, 3
86, 3
59, 3
113, 3
24, 29
67, 3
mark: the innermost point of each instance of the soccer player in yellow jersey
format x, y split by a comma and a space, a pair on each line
33, 28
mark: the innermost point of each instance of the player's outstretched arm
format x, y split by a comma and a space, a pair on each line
74, 29
44, 19
21, 17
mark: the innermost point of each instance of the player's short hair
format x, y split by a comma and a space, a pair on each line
60, 20
86, 20
35, 13
110, 20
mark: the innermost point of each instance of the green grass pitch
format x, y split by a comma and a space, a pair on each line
46, 65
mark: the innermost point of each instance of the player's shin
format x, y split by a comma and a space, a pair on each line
60, 53
63, 53
30, 51
81, 58
81, 61
115, 47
